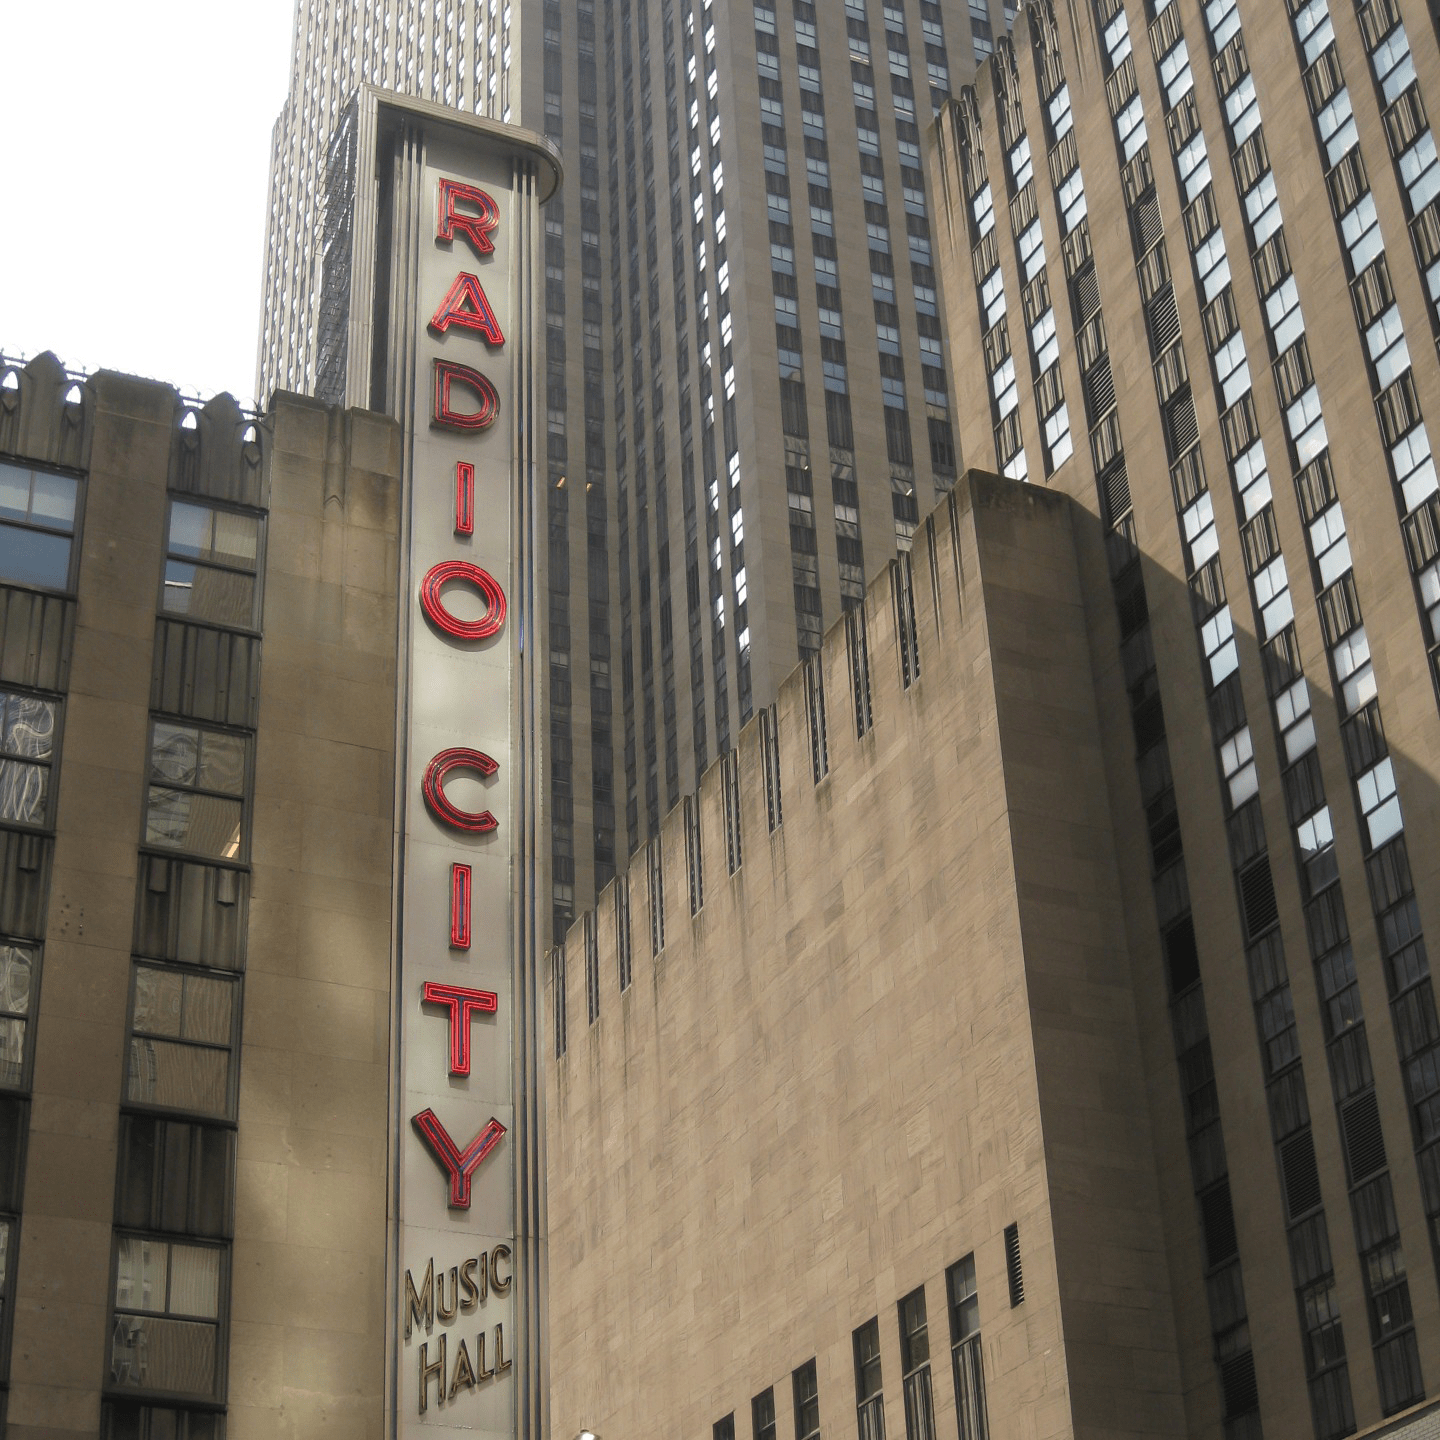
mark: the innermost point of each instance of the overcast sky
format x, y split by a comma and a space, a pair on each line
132, 203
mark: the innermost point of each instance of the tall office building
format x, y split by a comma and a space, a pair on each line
1234, 374
1048, 974
745, 413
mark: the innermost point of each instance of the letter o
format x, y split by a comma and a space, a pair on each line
434, 607
438, 770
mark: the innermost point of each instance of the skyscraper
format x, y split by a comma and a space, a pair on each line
744, 412
857, 1030
1196, 248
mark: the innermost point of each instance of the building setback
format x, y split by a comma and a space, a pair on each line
1189, 256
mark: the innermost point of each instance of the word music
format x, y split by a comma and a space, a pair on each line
465, 401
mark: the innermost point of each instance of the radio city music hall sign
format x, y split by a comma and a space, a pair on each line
464, 403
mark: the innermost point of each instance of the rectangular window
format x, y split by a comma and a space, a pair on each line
211, 559
19, 983
592, 968
197, 787
762, 1415
857, 648
557, 983
815, 715
175, 1176
622, 931
770, 766
182, 1036
915, 1365
806, 1390
730, 803
37, 526
656, 874
27, 749
967, 1361
724, 1429
869, 1402
166, 1333
694, 856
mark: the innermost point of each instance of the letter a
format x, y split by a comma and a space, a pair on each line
459, 1165
466, 304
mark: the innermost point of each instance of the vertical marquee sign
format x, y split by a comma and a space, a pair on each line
465, 213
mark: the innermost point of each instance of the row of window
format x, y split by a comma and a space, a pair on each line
967, 1368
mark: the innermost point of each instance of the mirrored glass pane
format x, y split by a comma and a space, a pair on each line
31, 557
17, 964
222, 763
169, 1355
207, 824
222, 596
14, 492
207, 1009
52, 501
28, 726
174, 753
157, 1000
179, 1077
194, 1281
23, 790
237, 539
12, 1051
140, 1273
189, 529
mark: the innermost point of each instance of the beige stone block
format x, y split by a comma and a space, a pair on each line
52, 1412
89, 910
64, 1180
260, 1201
85, 982
338, 843
79, 1059
330, 1364
322, 1019
370, 561
257, 1363
329, 1213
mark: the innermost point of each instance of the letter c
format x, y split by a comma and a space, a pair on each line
472, 822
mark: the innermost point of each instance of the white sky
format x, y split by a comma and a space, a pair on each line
133, 191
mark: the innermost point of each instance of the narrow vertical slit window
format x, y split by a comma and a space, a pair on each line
915, 1367
1013, 1273
869, 1401
966, 1359
592, 969
857, 649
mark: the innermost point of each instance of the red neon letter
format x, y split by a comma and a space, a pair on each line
475, 228
459, 1165
464, 498
467, 305
463, 1004
459, 907
444, 414
476, 823
434, 607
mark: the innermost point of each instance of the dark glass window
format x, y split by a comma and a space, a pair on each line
37, 526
